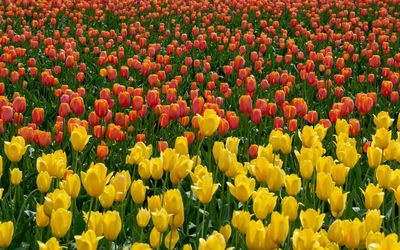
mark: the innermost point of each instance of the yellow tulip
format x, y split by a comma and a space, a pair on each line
51, 244
305, 239
243, 188
276, 178
374, 239
279, 227
143, 217
95, 221
121, 182
16, 176
43, 181
308, 136
290, 207
42, 220
215, 241
187, 247
1, 193
286, 144
112, 225
311, 219
170, 242
374, 155
342, 126
183, 167
154, 203
1, 166
155, 238
266, 152
255, 235
198, 173
260, 168
87, 241
226, 231
178, 219
394, 180
181, 145
381, 138
263, 203
306, 169
60, 222
232, 144
339, 173
275, 139
160, 219
140, 246
241, 220
139, 153
144, 169
95, 179
169, 158
351, 234
107, 197
392, 151
138, 191
384, 175
325, 164
269, 244
348, 156
373, 220
6, 233
373, 196
225, 159
335, 232
58, 199
325, 186
156, 168
209, 122
15, 149
72, 185
173, 201
337, 201
55, 164
383, 120
292, 184
321, 131
204, 189
390, 242
79, 138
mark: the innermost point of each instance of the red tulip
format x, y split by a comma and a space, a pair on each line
77, 105
246, 105
19, 104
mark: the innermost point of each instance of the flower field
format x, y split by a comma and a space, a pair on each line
199, 124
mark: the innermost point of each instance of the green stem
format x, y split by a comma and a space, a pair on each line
172, 231
90, 212
204, 220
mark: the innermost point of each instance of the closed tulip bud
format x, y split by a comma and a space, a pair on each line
15, 149
308, 136
79, 138
279, 227
215, 241
173, 201
381, 138
263, 203
325, 185
374, 156
255, 235
181, 145
72, 185
16, 176
170, 241
38, 116
112, 225
140, 246
51, 244
121, 181
373, 196
153, 203
243, 188
101, 107
155, 238
226, 231
95, 179
351, 232
160, 219
43, 181
42, 220
138, 191
143, 217
339, 174
292, 184
6, 233
60, 222
383, 176
373, 220
232, 144
392, 151
241, 220
290, 207
169, 158
275, 139
156, 168
95, 221
335, 232
286, 144
107, 197
311, 219
144, 169
337, 201
305, 239
209, 122
88, 240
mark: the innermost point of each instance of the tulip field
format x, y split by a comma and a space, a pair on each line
199, 124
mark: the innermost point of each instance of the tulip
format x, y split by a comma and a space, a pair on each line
140, 246
153, 203
308, 136
226, 231
383, 175
241, 220
160, 219
263, 203
173, 201
215, 241
325, 186
60, 222
121, 182
339, 174
6, 233
101, 107
43, 181
112, 225
209, 122
181, 145
351, 234
392, 151
143, 217
88, 240
38, 116
72, 185
171, 239
107, 197
79, 138
382, 138
155, 238
374, 155
204, 189
255, 235
15, 149
51, 244
243, 188
306, 169
304, 239
290, 207
320, 130
275, 139
373, 221
95, 221
16, 176
169, 158
138, 191
337, 201
348, 155
292, 184
279, 227
373, 196
286, 143
156, 168
139, 153
232, 144
95, 179
311, 219
42, 220
383, 120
